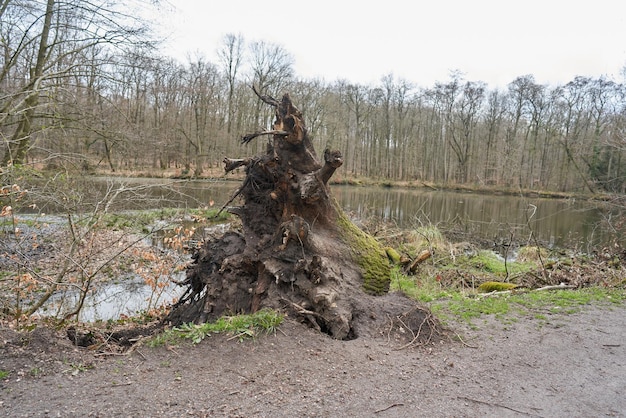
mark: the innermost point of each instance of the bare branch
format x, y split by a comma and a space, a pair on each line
266, 99
247, 138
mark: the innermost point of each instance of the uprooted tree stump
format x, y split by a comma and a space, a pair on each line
297, 251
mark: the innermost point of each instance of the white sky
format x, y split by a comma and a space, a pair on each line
493, 41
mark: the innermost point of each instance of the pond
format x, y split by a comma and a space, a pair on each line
571, 223
492, 218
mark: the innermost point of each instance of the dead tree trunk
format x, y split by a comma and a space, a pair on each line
297, 251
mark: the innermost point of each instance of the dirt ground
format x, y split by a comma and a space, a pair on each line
565, 366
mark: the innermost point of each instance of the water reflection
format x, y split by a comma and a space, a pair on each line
111, 300
558, 222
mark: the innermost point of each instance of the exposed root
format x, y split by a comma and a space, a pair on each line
414, 327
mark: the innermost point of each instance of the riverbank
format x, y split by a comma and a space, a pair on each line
217, 173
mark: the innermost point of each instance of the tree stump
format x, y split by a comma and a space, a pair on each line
297, 252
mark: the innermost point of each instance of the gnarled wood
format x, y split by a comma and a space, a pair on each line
296, 250
233, 164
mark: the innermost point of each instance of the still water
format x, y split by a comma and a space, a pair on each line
555, 222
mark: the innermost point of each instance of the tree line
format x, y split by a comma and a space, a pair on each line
84, 83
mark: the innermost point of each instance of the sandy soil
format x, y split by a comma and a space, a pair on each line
566, 366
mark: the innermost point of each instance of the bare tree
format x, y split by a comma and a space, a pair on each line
355, 97
272, 70
231, 56
493, 120
44, 43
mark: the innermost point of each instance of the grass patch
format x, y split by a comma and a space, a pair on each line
420, 238
240, 326
490, 262
4, 374
424, 289
461, 308
465, 307
568, 300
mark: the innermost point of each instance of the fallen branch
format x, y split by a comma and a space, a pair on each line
517, 291
556, 287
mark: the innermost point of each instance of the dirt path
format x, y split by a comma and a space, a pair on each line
566, 366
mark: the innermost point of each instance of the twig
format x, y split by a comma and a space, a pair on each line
495, 293
108, 353
419, 332
464, 343
141, 354
244, 184
498, 405
388, 407
303, 311
556, 287
407, 327
518, 291
121, 384
410, 343
429, 186
171, 348
390, 329
241, 334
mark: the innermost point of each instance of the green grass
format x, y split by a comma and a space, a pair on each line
422, 289
450, 285
467, 307
240, 326
568, 299
490, 262
4, 374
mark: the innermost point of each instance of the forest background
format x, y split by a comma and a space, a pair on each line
83, 86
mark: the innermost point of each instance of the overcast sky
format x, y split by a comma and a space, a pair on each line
493, 41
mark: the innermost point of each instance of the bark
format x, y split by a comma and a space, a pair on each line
20, 140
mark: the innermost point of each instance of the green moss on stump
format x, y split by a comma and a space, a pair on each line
368, 253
